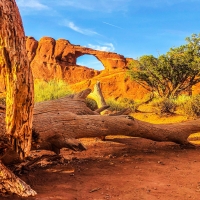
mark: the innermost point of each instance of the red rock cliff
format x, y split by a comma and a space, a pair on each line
56, 59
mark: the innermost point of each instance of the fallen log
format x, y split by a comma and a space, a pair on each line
9, 183
58, 122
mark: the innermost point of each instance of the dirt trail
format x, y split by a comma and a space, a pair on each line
120, 168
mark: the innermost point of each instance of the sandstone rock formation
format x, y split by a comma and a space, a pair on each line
56, 59
51, 59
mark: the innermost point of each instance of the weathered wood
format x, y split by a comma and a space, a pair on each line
64, 117
9, 183
14, 65
97, 95
99, 110
58, 120
70, 125
18, 78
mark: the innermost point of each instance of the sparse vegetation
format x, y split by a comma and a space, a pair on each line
190, 106
120, 104
165, 105
48, 90
170, 74
183, 104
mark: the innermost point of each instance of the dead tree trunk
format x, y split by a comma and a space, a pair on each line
70, 118
19, 85
58, 121
14, 65
9, 183
56, 124
97, 95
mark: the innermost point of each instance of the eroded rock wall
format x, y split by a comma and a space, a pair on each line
56, 59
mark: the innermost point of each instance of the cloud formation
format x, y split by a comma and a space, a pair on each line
104, 47
83, 31
31, 4
112, 25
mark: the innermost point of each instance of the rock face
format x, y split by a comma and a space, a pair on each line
51, 59
56, 59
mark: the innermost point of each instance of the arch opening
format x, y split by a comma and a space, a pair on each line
90, 61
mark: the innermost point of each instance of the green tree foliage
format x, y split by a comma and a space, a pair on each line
170, 74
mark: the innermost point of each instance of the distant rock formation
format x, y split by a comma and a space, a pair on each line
56, 59
52, 59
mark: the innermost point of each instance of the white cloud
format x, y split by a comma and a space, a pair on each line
31, 4
83, 31
104, 47
112, 25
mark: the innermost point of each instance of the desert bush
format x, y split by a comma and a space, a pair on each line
169, 74
181, 99
190, 106
48, 90
120, 104
165, 105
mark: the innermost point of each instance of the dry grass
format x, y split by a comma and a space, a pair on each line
50, 90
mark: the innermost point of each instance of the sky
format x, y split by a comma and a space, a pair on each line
132, 28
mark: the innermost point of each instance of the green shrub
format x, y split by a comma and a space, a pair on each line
52, 89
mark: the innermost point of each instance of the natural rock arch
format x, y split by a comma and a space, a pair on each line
110, 61
94, 62
52, 58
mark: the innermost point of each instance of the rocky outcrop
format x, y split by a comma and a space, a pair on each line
51, 59
56, 59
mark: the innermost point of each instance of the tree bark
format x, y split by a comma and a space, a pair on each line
58, 121
14, 65
9, 183
97, 95
71, 118
52, 118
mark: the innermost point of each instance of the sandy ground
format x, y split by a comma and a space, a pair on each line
118, 169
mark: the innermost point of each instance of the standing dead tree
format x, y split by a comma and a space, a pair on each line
14, 65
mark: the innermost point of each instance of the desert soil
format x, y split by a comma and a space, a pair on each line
119, 168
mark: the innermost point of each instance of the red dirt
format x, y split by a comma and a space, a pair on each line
119, 168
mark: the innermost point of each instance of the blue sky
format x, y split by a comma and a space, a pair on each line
129, 27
